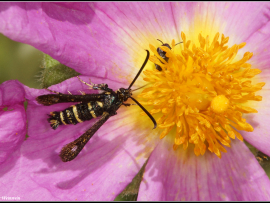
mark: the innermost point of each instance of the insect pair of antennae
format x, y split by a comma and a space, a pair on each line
150, 116
175, 44
145, 111
139, 88
144, 63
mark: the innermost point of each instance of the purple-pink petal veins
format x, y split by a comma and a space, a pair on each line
259, 41
12, 118
107, 40
238, 20
260, 137
181, 176
78, 37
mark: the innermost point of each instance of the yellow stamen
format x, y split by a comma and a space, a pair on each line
201, 92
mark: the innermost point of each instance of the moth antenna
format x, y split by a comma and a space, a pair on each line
139, 88
145, 111
160, 41
178, 43
144, 63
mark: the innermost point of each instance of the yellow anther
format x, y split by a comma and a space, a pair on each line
220, 104
201, 93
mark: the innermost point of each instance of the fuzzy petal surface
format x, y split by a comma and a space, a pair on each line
105, 166
260, 137
238, 20
107, 40
12, 118
259, 43
181, 176
76, 34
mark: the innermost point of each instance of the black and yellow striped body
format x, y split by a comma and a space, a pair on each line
110, 101
102, 105
76, 114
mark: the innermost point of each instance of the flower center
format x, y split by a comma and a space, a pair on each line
200, 93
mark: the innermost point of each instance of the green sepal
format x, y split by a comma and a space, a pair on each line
130, 193
54, 72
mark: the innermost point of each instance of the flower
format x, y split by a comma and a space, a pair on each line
202, 92
105, 42
12, 119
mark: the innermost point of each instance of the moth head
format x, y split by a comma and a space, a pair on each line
125, 93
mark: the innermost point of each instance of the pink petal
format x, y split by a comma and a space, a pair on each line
238, 20
258, 43
260, 137
80, 38
181, 176
12, 118
243, 18
22, 183
101, 171
144, 22
11, 93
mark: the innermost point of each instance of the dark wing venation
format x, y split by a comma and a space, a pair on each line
50, 99
71, 150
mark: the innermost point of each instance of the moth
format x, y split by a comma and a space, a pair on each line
90, 106
163, 53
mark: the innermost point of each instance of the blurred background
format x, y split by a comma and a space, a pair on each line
20, 61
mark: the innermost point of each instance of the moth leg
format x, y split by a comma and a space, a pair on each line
69, 92
90, 85
102, 86
53, 91
83, 93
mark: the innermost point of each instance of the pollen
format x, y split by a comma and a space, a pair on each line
202, 92
219, 104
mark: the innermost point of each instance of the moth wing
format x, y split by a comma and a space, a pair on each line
71, 150
50, 99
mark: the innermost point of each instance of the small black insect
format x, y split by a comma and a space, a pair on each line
163, 53
262, 158
91, 106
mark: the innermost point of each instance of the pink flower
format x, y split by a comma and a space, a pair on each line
105, 42
12, 119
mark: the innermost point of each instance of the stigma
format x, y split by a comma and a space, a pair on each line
200, 95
